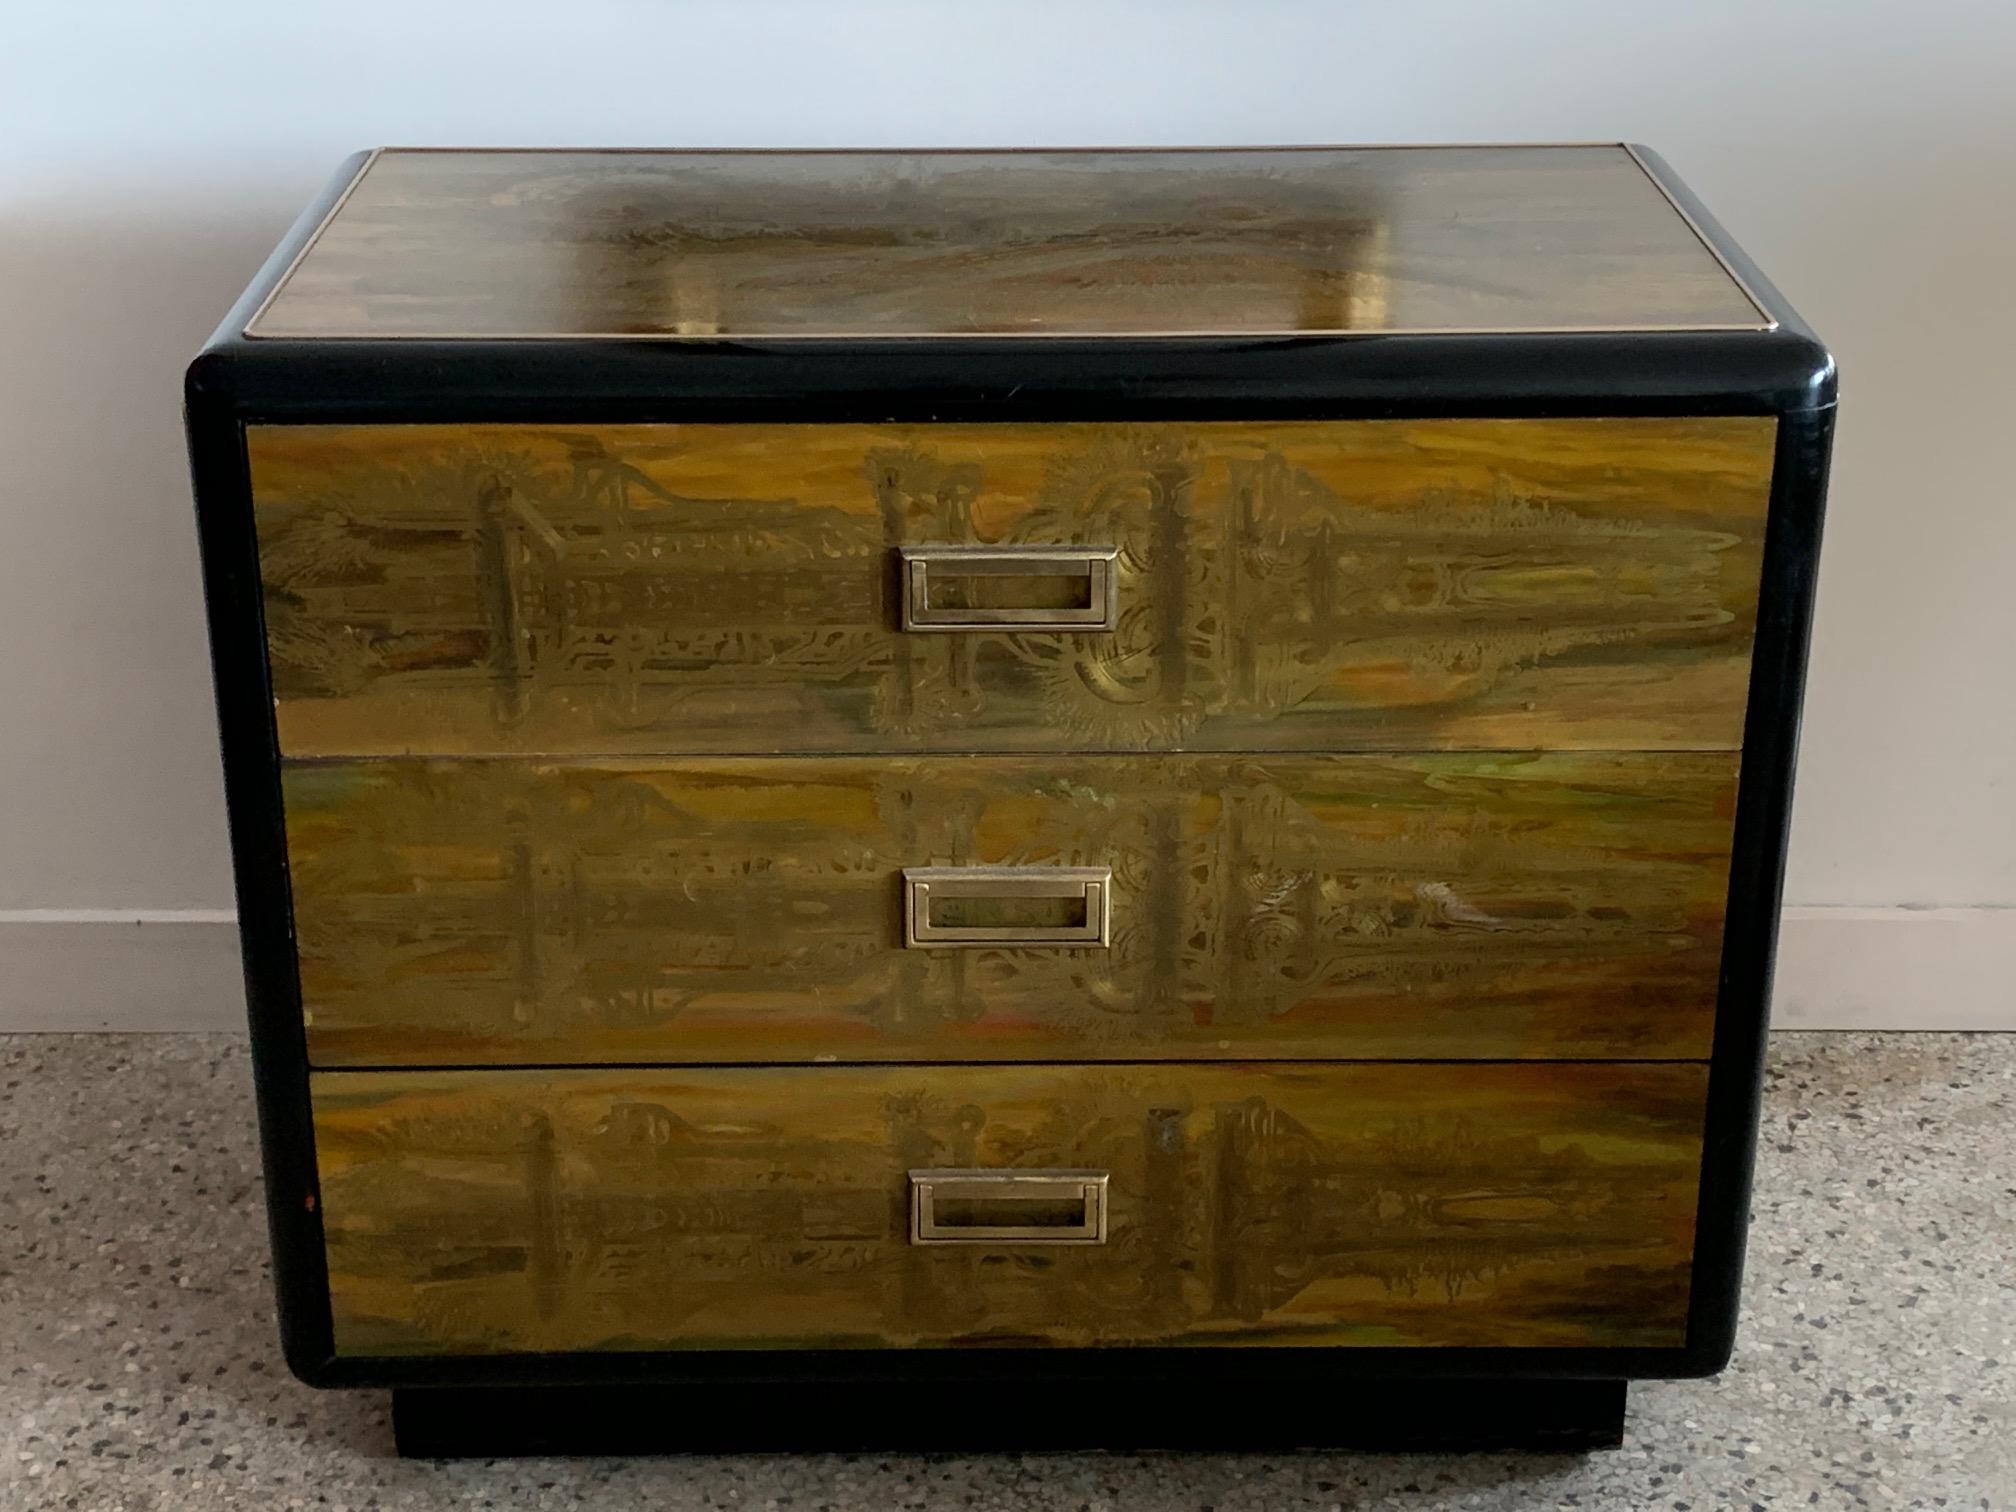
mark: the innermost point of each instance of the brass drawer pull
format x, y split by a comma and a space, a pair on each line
954, 907
1007, 1207
1009, 587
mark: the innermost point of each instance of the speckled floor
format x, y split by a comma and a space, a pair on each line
138, 1365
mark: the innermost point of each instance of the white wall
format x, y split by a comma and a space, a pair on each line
1864, 152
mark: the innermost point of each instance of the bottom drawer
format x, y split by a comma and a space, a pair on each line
474, 1212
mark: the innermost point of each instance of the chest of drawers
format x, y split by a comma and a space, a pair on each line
956, 797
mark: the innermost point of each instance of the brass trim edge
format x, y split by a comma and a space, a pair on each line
1707, 243
287, 275
1586, 144
955, 337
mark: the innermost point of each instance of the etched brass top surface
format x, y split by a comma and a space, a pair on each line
471, 244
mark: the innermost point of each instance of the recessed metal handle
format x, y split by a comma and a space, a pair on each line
1007, 1207
954, 907
1010, 587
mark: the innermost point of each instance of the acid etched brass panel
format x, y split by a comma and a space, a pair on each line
1555, 906
1393, 585
1130, 243
472, 1212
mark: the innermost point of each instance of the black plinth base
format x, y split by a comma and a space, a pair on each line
439, 1422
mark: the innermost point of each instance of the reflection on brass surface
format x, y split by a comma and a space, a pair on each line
1565, 905
483, 1212
1141, 243
1312, 585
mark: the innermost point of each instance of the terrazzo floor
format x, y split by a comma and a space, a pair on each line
139, 1368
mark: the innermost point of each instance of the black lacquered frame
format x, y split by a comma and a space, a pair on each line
237, 382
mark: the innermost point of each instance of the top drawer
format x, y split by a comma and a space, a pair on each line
1315, 585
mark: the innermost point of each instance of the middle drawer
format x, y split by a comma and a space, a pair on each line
507, 911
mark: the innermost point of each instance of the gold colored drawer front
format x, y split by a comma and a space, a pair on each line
1558, 906
472, 1212
1317, 585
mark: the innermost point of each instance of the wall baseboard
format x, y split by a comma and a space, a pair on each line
96, 969
1838, 968
1896, 968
